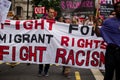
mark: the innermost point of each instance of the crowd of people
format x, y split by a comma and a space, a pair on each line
108, 28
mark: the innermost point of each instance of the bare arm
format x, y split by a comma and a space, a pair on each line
97, 30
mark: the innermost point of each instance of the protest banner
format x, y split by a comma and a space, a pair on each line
47, 41
79, 7
115, 1
106, 6
4, 8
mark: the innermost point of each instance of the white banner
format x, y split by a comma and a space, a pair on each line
4, 8
46, 41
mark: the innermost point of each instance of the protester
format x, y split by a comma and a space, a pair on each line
67, 19
75, 20
112, 14
82, 19
59, 19
90, 20
51, 16
15, 17
67, 69
110, 31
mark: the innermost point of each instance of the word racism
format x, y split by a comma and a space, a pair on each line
44, 41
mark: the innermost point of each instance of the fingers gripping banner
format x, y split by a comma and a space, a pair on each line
46, 41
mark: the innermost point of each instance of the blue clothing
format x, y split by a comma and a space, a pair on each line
110, 31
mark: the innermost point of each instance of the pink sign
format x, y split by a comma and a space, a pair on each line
39, 10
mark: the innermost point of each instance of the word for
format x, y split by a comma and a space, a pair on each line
83, 30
